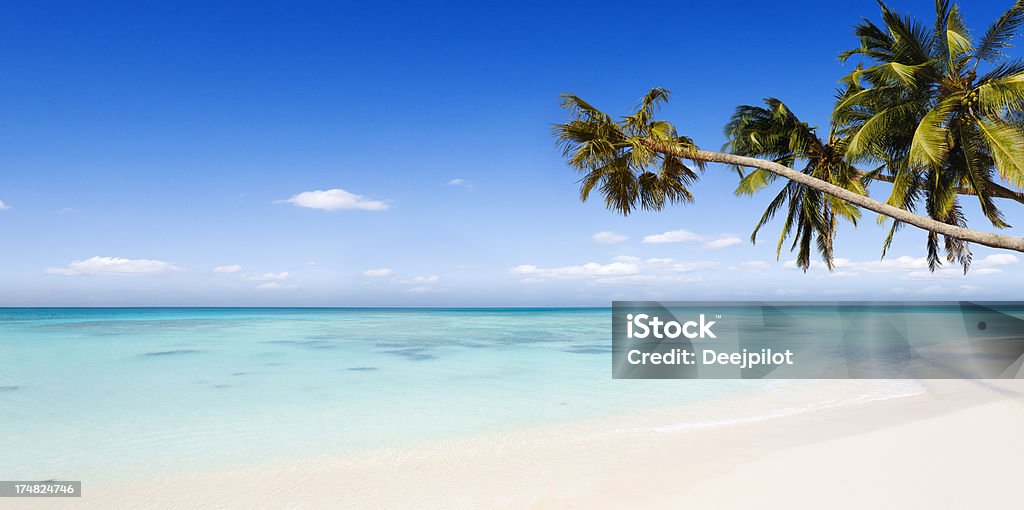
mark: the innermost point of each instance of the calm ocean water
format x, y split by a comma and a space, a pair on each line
130, 393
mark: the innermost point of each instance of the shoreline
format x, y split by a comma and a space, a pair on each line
956, 438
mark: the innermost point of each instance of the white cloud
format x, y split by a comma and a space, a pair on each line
422, 289
588, 270
723, 242
421, 280
903, 263
683, 236
113, 266
916, 268
623, 270
415, 281
932, 290
335, 199
276, 286
843, 274
997, 259
673, 236
938, 290
754, 265
954, 273
3, 205
456, 182
233, 268
268, 277
968, 289
645, 279
675, 266
608, 237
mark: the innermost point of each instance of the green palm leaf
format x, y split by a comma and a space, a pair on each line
616, 158
998, 36
930, 145
1006, 143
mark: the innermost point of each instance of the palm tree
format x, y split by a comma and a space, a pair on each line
941, 129
618, 156
639, 162
773, 132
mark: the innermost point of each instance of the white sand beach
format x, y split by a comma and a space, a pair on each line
955, 444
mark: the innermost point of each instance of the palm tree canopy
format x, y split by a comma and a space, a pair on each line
919, 106
939, 113
615, 158
774, 132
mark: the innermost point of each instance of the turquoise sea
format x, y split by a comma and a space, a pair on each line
108, 394
118, 394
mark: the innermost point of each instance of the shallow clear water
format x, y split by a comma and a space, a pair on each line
127, 393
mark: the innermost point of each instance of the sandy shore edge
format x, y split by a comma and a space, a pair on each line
952, 445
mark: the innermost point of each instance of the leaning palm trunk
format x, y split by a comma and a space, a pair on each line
994, 190
639, 162
942, 113
922, 222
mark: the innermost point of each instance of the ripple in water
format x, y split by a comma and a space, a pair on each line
176, 352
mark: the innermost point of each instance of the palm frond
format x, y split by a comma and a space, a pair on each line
999, 35
871, 136
754, 181
1000, 90
957, 37
978, 173
616, 157
930, 145
1006, 144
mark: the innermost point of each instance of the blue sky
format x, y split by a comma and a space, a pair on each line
143, 147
